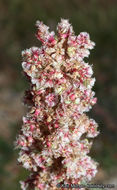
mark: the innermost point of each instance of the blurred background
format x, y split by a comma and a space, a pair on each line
17, 32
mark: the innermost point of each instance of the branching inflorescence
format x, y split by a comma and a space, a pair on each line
53, 140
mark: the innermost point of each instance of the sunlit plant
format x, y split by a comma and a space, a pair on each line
54, 138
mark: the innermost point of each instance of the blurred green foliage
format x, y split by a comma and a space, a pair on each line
17, 31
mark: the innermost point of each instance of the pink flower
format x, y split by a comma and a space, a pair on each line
21, 143
72, 96
49, 83
94, 100
51, 41
56, 125
82, 38
48, 144
37, 112
41, 186
51, 99
30, 139
32, 127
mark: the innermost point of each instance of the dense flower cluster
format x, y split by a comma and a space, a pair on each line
54, 136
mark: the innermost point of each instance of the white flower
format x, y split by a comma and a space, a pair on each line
90, 71
24, 185
34, 81
58, 75
92, 81
25, 66
26, 52
34, 48
42, 26
77, 100
63, 26
66, 140
26, 165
